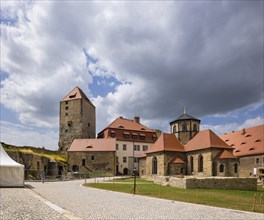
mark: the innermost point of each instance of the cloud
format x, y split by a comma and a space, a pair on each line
20, 135
229, 127
207, 56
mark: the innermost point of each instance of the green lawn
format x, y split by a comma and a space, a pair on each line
233, 199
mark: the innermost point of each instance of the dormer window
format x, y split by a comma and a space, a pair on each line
248, 135
232, 145
258, 140
121, 126
72, 96
252, 148
237, 151
89, 146
143, 129
226, 140
243, 143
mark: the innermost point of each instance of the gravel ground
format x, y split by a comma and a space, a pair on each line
89, 203
20, 203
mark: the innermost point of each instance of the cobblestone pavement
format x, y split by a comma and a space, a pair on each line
21, 203
89, 203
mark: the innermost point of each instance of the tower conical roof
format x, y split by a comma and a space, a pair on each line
76, 93
185, 116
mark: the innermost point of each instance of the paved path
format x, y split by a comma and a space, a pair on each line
69, 200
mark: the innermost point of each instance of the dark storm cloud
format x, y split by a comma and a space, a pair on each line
209, 59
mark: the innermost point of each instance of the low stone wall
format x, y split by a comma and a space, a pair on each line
235, 183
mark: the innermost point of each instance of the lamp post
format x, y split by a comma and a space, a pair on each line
135, 184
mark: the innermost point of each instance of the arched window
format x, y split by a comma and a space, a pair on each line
191, 162
235, 167
184, 127
154, 165
195, 127
221, 168
174, 129
200, 163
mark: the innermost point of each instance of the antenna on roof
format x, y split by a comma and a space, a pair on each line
184, 111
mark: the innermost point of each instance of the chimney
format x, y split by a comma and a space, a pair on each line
243, 131
137, 119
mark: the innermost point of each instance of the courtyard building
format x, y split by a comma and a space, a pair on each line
132, 139
248, 145
97, 156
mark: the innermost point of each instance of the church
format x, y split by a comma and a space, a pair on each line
189, 151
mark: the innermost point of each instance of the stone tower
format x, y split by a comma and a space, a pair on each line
185, 127
77, 118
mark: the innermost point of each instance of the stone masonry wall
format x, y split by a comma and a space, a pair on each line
94, 161
234, 183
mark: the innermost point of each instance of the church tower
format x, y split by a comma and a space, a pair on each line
77, 118
185, 127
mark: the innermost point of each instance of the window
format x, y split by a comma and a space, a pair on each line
142, 137
66, 108
117, 160
66, 103
174, 129
83, 162
135, 136
92, 157
66, 130
154, 165
66, 114
113, 134
154, 137
88, 125
72, 96
184, 127
191, 162
116, 146
257, 160
200, 163
221, 168
136, 147
124, 147
124, 159
135, 160
38, 166
235, 168
145, 147
126, 135
194, 127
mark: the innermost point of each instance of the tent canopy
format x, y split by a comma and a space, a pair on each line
7, 161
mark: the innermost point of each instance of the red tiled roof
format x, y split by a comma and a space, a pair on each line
141, 155
225, 155
107, 144
249, 141
176, 160
205, 139
76, 93
128, 124
166, 142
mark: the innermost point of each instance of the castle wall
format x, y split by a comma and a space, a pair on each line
232, 183
93, 162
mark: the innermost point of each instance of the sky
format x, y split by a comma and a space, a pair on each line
131, 58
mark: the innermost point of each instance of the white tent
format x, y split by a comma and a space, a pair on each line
11, 172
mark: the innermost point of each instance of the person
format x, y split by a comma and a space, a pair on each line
42, 176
